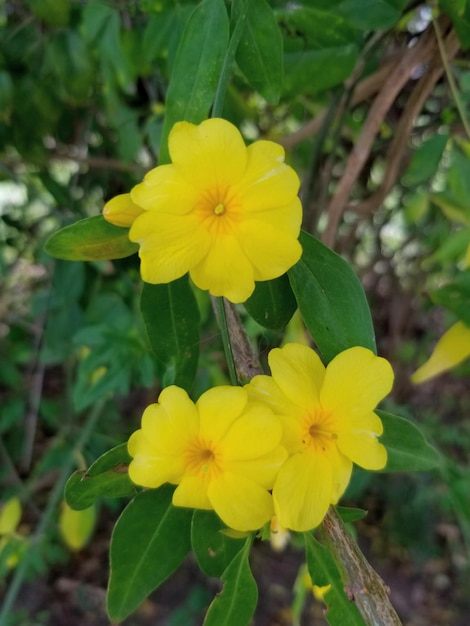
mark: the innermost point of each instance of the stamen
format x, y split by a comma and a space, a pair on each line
219, 209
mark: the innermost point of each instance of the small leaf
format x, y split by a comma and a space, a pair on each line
456, 297
407, 449
150, 541
259, 54
324, 571
91, 239
106, 478
425, 160
197, 67
350, 514
171, 316
272, 303
331, 300
213, 549
237, 601
76, 527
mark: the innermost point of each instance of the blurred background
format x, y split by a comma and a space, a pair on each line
82, 101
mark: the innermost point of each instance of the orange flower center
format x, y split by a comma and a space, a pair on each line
201, 458
219, 210
318, 430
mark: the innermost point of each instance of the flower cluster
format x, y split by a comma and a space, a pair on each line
226, 213
284, 444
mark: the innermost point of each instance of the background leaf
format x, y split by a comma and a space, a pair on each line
171, 316
91, 239
150, 540
272, 303
331, 300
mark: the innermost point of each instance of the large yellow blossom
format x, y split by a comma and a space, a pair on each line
328, 424
223, 452
226, 213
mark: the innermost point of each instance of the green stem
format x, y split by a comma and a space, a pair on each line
450, 78
54, 498
219, 99
222, 314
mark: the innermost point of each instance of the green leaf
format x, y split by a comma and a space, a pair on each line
213, 549
331, 300
324, 571
313, 71
272, 303
425, 160
106, 478
349, 514
371, 14
236, 603
91, 239
456, 296
259, 54
408, 450
459, 13
149, 542
198, 63
171, 316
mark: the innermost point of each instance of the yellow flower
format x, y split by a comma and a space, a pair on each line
451, 350
121, 211
328, 424
226, 213
223, 452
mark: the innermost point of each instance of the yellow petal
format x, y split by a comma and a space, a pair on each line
272, 251
192, 492
341, 475
451, 349
298, 372
303, 491
76, 527
150, 467
165, 190
252, 435
263, 469
355, 382
363, 449
170, 245
183, 418
212, 153
225, 271
218, 409
240, 503
121, 210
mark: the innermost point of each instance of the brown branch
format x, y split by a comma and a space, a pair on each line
396, 151
362, 583
415, 56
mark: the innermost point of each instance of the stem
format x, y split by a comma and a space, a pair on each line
54, 498
222, 315
450, 77
219, 99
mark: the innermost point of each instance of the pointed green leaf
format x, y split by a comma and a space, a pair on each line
456, 296
408, 450
324, 571
425, 160
260, 52
237, 601
213, 549
331, 300
197, 67
149, 542
272, 303
91, 239
106, 478
171, 316
349, 514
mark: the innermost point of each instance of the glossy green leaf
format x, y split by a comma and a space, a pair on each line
456, 296
213, 549
150, 540
236, 603
425, 160
106, 478
197, 67
407, 449
331, 300
324, 571
272, 303
313, 71
171, 316
259, 54
91, 239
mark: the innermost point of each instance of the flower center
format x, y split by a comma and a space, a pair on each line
319, 430
218, 209
201, 458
